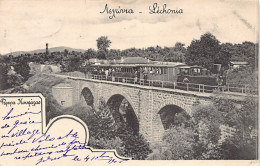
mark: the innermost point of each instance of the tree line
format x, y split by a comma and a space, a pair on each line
204, 52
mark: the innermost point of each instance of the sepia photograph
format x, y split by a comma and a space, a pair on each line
151, 80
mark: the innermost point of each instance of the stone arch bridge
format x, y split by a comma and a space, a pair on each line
146, 101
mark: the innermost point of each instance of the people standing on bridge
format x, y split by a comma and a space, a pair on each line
106, 73
110, 72
135, 75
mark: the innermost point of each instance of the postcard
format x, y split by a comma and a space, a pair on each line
127, 82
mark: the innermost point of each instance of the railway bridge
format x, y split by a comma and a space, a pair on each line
147, 102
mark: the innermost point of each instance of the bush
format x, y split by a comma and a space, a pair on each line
177, 144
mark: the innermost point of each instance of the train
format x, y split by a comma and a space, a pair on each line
180, 76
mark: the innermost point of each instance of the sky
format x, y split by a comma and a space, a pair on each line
28, 24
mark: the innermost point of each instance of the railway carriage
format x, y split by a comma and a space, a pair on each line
174, 75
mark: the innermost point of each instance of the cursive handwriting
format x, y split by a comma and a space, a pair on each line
61, 147
17, 123
7, 103
20, 101
31, 102
22, 140
112, 12
15, 116
156, 9
13, 143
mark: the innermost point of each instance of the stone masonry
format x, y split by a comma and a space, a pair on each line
145, 101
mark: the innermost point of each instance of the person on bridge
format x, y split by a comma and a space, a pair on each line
106, 73
186, 80
220, 83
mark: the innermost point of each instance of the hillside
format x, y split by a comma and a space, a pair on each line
54, 49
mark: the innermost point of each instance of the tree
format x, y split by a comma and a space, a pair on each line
14, 80
23, 69
74, 63
249, 50
243, 75
243, 118
224, 55
85, 69
235, 148
107, 129
103, 43
66, 52
228, 109
90, 53
107, 126
135, 144
3, 75
207, 121
180, 142
180, 51
203, 52
101, 54
177, 144
114, 54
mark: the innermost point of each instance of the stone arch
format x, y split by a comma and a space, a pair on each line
87, 95
125, 95
167, 102
173, 115
91, 91
173, 101
123, 111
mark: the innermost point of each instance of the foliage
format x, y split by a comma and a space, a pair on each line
14, 80
224, 55
104, 143
237, 149
106, 124
3, 75
74, 63
241, 116
248, 116
106, 134
248, 52
203, 52
207, 121
100, 134
90, 53
180, 142
177, 53
229, 110
183, 118
23, 69
243, 76
103, 43
207, 152
101, 54
135, 144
